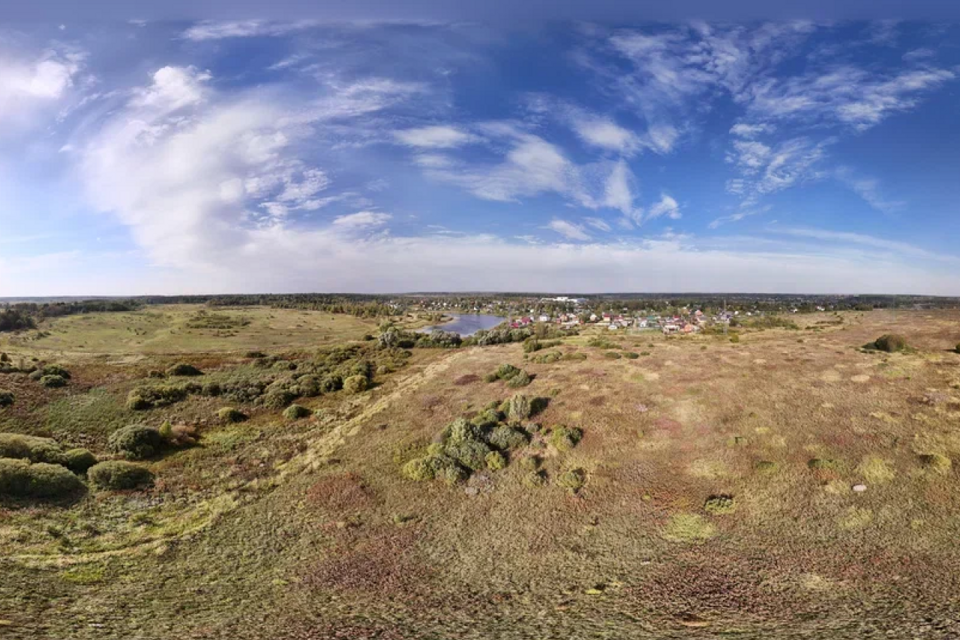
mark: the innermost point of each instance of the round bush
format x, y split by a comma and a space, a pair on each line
117, 475
55, 370
522, 379
355, 384
32, 448
278, 398
572, 480
418, 469
230, 415
296, 411
184, 369
496, 461
53, 381
6, 398
331, 384
20, 479
136, 441
519, 407
79, 460
564, 438
309, 386
507, 371
890, 343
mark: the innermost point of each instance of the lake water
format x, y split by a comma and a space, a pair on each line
468, 324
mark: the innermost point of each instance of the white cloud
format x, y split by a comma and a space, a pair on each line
173, 88
204, 180
212, 30
597, 223
568, 230
30, 84
869, 189
846, 95
435, 137
744, 130
618, 191
605, 134
667, 206
362, 219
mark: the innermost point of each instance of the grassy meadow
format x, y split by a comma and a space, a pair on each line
781, 483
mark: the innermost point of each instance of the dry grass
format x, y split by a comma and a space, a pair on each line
313, 522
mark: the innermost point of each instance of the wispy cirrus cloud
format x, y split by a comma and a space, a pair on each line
568, 230
219, 30
436, 137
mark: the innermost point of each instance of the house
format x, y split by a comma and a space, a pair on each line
593, 317
544, 318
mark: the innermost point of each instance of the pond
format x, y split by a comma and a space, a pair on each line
468, 324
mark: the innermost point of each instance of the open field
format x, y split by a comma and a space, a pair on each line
190, 328
711, 495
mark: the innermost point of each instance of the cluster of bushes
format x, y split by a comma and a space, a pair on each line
6, 398
47, 450
504, 334
534, 344
889, 343
513, 376
466, 446
391, 337
34, 467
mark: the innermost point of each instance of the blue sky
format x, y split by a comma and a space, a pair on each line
231, 156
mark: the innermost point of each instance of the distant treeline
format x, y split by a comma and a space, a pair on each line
24, 315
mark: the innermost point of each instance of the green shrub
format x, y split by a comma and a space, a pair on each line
309, 386
547, 358
564, 438
496, 461
720, 505
613, 355
296, 411
156, 373
32, 448
118, 475
490, 377
418, 469
734, 338
20, 479
255, 354
890, 343
507, 371
145, 398
355, 384
530, 463
575, 356
471, 453
572, 480
331, 383
6, 398
229, 415
53, 381
630, 355
767, 466
211, 389
54, 370
184, 369
505, 437
79, 460
136, 441
519, 407
522, 379
278, 398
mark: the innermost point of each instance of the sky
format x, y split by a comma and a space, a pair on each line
149, 156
